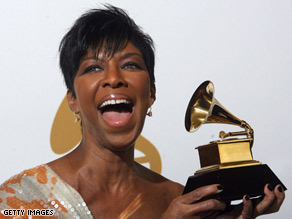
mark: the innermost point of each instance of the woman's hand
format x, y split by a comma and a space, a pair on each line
194, 205
271, 203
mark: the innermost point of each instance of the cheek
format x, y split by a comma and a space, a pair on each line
85, 90
142, 85
142, 89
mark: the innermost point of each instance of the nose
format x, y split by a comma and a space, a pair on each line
113, 78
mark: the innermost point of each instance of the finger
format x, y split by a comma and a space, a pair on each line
207, 215
233, 212
225, 217
209, 206
214, 214
267, 201
211, 214
247, 210
279, 198
280, 195
200, 193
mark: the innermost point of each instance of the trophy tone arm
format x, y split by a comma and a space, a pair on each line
248, 132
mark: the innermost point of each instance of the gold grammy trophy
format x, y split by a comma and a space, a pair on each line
229, 161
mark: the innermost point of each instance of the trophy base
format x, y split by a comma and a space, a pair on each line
237, 182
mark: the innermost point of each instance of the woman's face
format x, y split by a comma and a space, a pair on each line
112, 96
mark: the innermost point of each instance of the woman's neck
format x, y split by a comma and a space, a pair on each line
102, 168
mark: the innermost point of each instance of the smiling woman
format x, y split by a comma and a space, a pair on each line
108, 66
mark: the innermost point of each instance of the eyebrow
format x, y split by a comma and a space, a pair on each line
84, 59
127, 55
124, 56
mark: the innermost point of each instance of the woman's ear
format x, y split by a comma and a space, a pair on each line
72, 102
152, 94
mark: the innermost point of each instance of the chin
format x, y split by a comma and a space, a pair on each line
121, 143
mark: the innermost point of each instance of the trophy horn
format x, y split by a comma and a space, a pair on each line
203, 108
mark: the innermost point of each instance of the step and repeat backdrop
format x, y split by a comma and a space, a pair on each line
244, 47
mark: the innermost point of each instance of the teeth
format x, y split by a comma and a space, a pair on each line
113, 102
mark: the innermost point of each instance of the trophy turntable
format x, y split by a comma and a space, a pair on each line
228, 161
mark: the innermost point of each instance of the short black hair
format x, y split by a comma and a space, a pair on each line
107, 29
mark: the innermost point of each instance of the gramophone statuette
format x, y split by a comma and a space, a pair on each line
227, 161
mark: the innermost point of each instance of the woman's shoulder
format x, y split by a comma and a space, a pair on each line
167, 185
23, 184
41, 190
20, 189
19, 180
158, 191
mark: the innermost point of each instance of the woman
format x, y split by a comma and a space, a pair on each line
108, 66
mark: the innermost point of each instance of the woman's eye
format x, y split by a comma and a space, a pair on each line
92, 69
131, 66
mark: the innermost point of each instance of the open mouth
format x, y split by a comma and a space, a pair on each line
117, 111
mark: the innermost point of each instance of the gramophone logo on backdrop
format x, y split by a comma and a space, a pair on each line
65, 135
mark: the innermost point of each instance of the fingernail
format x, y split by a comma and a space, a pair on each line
246, 197
220, 187
270, 187
280, 189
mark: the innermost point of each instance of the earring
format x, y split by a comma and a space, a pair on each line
76, 117
149, 113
